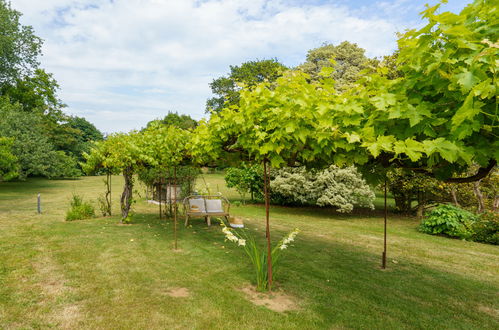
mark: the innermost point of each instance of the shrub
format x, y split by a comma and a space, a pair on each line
340, 187
246, 179
79, 209
449, 220
486, 229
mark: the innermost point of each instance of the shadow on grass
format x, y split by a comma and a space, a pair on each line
344, 285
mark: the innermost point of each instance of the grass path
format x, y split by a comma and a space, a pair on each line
99, 274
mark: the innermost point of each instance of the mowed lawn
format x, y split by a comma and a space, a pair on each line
100, 274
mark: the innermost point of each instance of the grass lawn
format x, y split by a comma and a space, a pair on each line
99, 274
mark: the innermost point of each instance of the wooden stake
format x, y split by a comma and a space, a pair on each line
39, 204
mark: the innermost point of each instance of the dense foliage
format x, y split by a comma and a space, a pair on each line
342, 188
486, 230
8, 162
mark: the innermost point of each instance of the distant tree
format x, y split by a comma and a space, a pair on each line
249, 73
19, 47
347, 59
37, 93
36, 154
174, 119
88, 130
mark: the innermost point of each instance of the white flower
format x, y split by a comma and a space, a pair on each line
241, 242
283, 246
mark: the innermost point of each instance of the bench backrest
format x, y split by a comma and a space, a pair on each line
206, 204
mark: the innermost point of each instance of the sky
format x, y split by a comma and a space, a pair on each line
122, 63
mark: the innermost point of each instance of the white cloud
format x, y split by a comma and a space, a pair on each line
123, 63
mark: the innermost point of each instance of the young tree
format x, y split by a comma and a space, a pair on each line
168, 148
95, 162
270, 127
126, 153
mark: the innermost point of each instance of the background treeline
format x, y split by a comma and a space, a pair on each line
36, 137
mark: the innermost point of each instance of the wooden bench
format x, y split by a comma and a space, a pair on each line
198, 206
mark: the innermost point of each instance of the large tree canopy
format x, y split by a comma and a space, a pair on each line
441, 114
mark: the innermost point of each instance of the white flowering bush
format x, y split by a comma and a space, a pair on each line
343, 188
258, 254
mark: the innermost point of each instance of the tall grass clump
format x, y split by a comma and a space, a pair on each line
79, 209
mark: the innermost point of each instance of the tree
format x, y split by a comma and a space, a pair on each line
168, 148
36, 94
19, 46
441, 115
95, 162
249, 73
269, 126
36, 155
126, 154
174, 119
8, 162
347, 59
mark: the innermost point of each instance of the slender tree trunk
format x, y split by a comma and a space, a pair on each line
454, 196
108, 193
175, 206
495, 205
421, 205
169, 194
160, 190
126, 197
267, 227
479, 196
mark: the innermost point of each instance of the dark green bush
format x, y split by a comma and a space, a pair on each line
486, 230
79, 209
449, 220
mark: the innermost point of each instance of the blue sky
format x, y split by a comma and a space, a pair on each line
122, 63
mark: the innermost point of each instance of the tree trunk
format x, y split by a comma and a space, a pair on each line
421, 205
479, 196
108, 193
267, 227
160, 190
126, 197
454, 196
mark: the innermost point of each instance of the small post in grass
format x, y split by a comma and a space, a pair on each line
39, 204
383, 260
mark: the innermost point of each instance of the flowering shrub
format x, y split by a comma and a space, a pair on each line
340, 187
257, 254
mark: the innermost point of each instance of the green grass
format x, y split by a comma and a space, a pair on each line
99, 274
